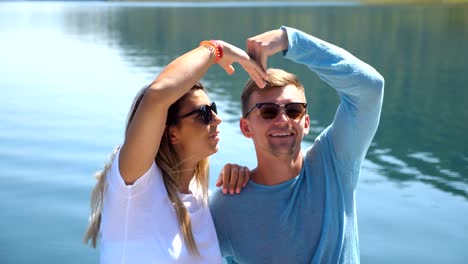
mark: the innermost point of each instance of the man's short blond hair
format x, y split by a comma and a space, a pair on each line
276, 78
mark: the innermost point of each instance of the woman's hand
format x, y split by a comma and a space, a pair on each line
233, 177
233, 54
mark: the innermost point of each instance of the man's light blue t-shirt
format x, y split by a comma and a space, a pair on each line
312, 217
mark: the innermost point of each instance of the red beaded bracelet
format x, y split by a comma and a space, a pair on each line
214, 47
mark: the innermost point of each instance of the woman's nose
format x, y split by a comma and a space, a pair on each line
216, 119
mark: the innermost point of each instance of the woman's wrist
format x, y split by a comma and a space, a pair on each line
214, 47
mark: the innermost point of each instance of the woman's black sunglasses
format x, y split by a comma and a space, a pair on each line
271, 110
204, 111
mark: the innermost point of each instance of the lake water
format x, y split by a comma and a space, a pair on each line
69, 71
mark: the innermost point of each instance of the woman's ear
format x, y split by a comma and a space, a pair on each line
172, 134
245, 127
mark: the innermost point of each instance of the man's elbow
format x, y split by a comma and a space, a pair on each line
379, 82
376, 85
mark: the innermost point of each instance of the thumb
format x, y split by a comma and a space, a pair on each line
263, 60
228, 68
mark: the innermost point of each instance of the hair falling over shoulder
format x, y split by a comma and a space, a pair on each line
97, 198
169, 164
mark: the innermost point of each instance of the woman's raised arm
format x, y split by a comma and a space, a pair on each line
144, 133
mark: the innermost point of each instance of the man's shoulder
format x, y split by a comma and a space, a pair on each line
320, 144
216, 197
220, 201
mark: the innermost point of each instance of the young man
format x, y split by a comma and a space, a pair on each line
300, 208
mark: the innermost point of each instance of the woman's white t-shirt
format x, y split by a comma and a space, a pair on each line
139, 224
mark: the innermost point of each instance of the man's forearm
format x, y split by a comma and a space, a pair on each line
334, 65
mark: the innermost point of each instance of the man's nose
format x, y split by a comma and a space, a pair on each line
282, 115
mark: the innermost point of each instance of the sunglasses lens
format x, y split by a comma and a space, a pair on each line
269, 111
205, 113
214, 108
295, 111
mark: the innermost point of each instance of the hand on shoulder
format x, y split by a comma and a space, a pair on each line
233, 178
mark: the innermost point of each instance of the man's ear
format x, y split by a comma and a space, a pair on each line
245, 127
306, 124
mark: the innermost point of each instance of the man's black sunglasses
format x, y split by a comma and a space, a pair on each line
204, 111
271, 110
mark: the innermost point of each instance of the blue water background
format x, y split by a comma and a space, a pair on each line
69, 71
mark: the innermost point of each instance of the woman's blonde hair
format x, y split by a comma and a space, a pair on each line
169, 163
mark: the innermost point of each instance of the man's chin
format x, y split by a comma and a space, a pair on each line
283, 153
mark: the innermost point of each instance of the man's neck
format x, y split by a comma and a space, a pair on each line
273, 170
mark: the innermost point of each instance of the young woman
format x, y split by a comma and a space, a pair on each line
150, 202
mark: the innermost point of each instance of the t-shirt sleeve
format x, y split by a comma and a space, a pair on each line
151, 179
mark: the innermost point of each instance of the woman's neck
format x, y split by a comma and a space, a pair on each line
185, 177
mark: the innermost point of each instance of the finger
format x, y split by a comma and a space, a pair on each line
226, 176
259, 81
256, 77
233, 180
260, 59
254, 50
219, 181
254, 74
263, 57
262, 77
258, 68
250, 47
257, 53
255, 71
246, 176
240, 179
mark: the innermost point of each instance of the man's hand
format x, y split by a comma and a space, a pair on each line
233, 177
267, 44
